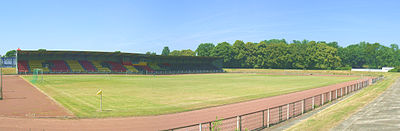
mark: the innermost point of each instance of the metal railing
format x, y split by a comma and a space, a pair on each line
271, 116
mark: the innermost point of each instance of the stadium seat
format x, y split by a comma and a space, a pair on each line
59, 66
89, 67
23, 66
37, 64
116, 66
129, 66
155, 67
75, 66
143, 68
99, 67
140, 64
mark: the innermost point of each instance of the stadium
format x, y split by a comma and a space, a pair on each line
199, 65
170, 92
51, 62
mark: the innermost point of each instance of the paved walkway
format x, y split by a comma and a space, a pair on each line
381, 114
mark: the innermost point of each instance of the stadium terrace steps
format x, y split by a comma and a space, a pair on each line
116, 66
75, 66
143, 68
129, 66
155, 67
59, 66
89, 67
99, 67
23, 66
141, 64
37, 64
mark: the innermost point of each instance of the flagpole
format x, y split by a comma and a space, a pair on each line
100, 92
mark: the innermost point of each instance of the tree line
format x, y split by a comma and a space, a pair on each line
279, 54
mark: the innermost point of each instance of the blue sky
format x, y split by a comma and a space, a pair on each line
147, 25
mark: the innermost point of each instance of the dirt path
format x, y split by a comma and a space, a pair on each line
382, 114
148, 122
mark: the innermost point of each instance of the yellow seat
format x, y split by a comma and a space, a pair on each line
75, 66
130, 68
99, 67
37, 64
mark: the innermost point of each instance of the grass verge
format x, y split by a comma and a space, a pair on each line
332, 116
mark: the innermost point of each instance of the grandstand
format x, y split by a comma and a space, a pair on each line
71, 62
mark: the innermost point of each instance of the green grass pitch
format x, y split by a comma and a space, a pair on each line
143, 95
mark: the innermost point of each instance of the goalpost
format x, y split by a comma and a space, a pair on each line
37, 75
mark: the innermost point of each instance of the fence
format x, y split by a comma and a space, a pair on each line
271, 116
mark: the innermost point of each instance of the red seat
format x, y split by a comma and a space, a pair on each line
59, 66
116, 66
88, 66
23, 66
144, 68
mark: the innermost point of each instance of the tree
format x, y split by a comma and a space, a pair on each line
249, 51
150, 53
333, 44
175, 53
353, 56
225, 51
188, 52
298, 54
204, 49
322, 56
10, 53
239, 55
165, 51
372, 52
305, 54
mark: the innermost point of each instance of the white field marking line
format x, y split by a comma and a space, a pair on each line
67, 94
369, 109
76, 99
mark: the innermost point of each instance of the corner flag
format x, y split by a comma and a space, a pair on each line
100, 92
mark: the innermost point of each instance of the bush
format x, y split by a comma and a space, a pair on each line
394, 70
343, 68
